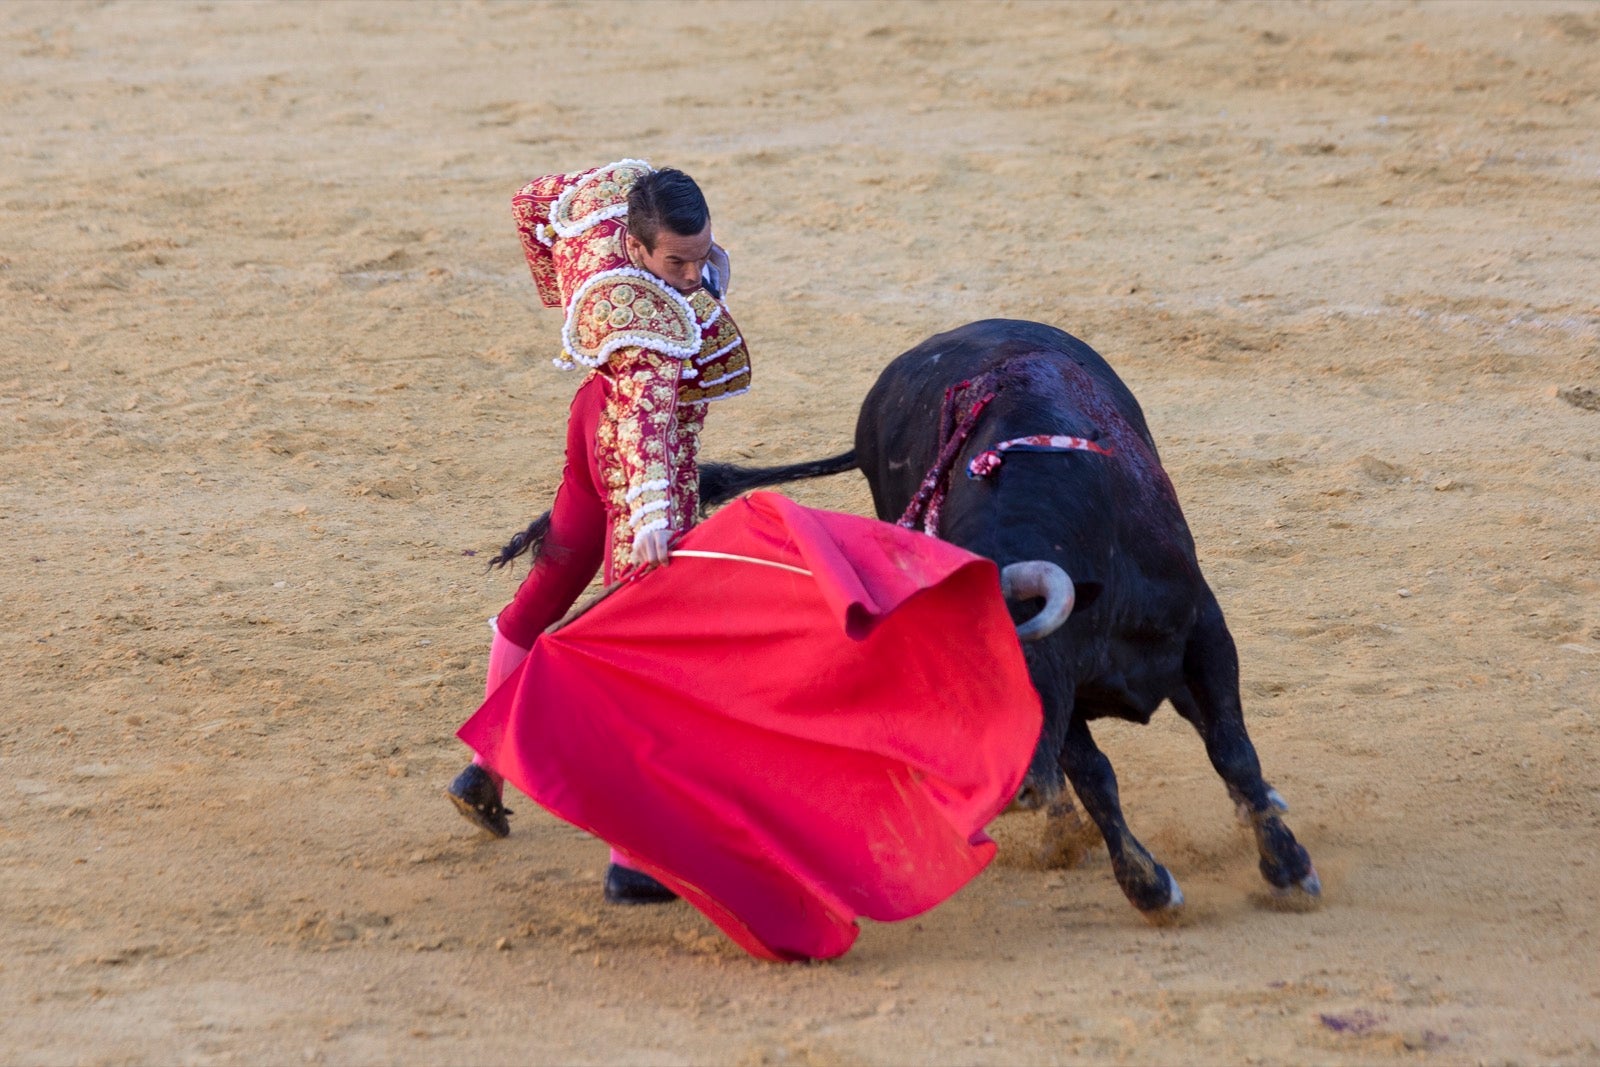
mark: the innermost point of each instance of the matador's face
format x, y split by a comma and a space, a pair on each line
676, 260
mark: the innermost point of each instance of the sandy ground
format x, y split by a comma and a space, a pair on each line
273, 382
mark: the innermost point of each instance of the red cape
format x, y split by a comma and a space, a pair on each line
786, 752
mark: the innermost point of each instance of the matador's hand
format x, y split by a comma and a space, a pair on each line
651, 548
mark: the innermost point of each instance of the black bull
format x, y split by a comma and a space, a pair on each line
1146, 627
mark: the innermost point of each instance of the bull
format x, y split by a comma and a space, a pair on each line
1145, 627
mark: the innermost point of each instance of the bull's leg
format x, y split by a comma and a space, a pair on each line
1148, 885
1211, 703
1067, 836
1243, 807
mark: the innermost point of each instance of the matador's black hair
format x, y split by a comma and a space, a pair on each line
666, 200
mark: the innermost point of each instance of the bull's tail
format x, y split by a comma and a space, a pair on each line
530, 540
721, 482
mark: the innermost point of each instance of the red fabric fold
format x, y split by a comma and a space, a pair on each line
787, 752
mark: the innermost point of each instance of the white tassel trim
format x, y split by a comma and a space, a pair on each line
655, 523
725, 378
594, 218
719, 353
725, 396
591, 220
659, 485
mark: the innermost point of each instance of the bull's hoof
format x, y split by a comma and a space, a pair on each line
1284, 861
1171, 911
1287, 867
1149, 886
1304, 895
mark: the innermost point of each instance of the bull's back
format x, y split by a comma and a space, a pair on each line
897, 438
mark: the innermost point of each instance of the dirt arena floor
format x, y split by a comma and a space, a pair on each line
274, 382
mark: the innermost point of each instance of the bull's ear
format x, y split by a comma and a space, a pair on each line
1086, 593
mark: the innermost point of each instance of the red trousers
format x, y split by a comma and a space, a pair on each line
579, 541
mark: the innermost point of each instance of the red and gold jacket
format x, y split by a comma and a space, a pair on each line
667, 354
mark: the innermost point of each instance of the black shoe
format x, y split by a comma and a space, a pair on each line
624, 885
478, 800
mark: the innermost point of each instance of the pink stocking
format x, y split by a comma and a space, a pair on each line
504, 658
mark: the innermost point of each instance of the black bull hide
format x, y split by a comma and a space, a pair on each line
1146, 628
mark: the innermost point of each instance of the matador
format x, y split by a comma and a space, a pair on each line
627, 253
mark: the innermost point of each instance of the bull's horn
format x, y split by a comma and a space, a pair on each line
1039, 578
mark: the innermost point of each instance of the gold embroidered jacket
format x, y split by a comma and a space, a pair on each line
667, 354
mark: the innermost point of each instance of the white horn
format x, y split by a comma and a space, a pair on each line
1039, 578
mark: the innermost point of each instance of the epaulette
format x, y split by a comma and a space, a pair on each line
627, 306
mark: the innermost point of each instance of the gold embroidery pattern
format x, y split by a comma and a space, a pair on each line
624, 307
707, 308
530, 207
719, 336
648, 443
685, 469
723, 363
599, 195
598, 249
